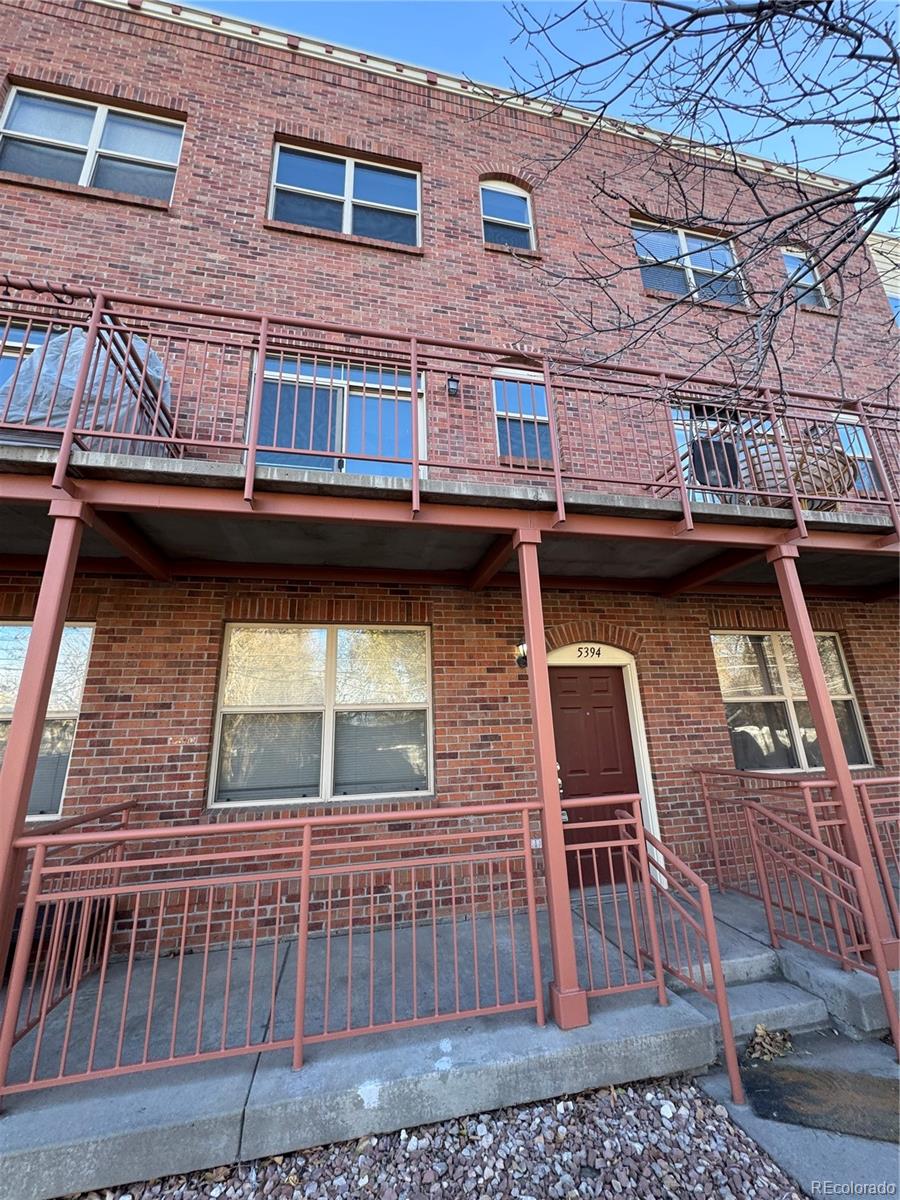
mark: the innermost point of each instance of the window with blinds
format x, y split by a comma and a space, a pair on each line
314, 712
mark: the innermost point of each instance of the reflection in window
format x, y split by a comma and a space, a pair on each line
804, 279
687, 264
331, 416
523, 424
320, 712
345, 195
62, 710
89, 144
769, 719
506, 215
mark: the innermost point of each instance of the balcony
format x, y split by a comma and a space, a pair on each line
108, 387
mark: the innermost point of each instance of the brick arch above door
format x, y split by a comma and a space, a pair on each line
593, 631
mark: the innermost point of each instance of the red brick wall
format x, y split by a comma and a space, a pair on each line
149, 701
213, 244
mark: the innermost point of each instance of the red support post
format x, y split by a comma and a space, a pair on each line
30, 712
414, 422
831, 746
255, 412
554, 446
568, 999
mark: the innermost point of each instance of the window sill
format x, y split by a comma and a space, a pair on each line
77, 189
815, 310
717, 304
388, 802
348, 238
513, 251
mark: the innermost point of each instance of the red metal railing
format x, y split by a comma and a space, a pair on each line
609, 875
119, 814
113, 372
682, 914
880, 802
188, 943
816, 897
812, 805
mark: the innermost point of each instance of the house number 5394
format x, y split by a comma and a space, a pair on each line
589, 652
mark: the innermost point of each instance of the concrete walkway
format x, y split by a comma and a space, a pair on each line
822, 1162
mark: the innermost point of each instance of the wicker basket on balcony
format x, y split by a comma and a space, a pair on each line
822, 471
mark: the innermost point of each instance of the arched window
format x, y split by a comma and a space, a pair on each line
506, 215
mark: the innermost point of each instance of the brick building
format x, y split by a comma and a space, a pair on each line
304, 591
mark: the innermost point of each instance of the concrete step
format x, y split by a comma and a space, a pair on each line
853, 998
774, 1003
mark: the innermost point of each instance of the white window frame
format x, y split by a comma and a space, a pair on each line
499, 185
813, 269
517, 376
58, 714
347, 199
348, 388
788, 698
93, 151
683, 261
328, 709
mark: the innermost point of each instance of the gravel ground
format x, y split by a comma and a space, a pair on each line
661, 1139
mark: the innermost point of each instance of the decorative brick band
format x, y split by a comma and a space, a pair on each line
276, 606
770, 616
510, 172
19, 605
594, 631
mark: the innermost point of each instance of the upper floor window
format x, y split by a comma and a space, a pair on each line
804, 279
333, 416
687, 264
62, 710
89, 144
769, 717
319, 711
345, 195
523, 421
506, 215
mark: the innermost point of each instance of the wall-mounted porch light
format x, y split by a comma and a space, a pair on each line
522, 655
452, 387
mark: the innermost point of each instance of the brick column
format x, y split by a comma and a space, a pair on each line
831, 745
568, 999
29, 714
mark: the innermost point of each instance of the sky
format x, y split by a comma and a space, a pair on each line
475, 39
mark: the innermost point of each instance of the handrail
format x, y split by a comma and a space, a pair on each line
19, 283
673, 962
92, 814
230, 828
843, 886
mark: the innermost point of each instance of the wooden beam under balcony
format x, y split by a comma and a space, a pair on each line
696, 577
491, 563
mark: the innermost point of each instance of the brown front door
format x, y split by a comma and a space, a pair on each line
596, 758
